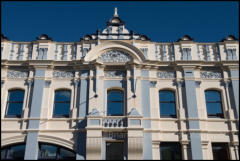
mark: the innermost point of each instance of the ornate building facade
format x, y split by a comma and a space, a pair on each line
116, 94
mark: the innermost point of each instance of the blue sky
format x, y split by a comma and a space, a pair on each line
165, 21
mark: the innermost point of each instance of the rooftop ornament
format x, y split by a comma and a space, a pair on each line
230, 38
3, 37
185, 38
44, 37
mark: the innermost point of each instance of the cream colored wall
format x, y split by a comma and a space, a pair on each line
163, 129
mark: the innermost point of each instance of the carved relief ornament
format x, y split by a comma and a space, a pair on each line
17, 74
113, 56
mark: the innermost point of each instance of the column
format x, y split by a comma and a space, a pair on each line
31, 151
82, 112
192, 112
235, 86
147, 136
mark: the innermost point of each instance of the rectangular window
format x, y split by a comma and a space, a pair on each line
220, 151
167, 104
170, 151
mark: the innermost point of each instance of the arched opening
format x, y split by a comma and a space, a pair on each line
46, 151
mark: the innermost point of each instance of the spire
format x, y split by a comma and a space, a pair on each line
115, 13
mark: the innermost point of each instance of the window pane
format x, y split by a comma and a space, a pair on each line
14, 109
115, 103
166, 96
115, 109
61, 109
16, 152
115, 96
170, 151
16, 95
48, 151
212, 96
3, 153
214, 108
66, 154
62, 96
220, 151
167, 109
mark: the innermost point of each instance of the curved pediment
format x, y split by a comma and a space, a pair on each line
114, 56
115, 52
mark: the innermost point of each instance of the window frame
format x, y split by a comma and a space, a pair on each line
171, 102
14, 102
216, 115
54, 102
123, 100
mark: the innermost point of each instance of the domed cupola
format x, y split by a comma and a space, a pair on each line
115, 30
115, 20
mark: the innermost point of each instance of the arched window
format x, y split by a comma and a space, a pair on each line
51, 151
13, 152
167, 103
15, 103
115, 103
46, 151
213, 103
62, 103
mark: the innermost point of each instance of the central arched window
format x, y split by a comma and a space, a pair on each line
167, 103
213, 103
115, 106
15, 103
62, 103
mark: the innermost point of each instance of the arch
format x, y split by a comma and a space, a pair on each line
167, 89
18, 139
57, 141
135, 53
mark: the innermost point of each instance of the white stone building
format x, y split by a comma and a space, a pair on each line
117, 95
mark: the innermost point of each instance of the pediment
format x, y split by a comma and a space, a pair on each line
114, 56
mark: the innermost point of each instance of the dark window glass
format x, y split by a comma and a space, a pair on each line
66, 154
48, 151
170, 151
62, 103
220, 151
213, 103
167, 104
13, 152
15, 103
115, 103
114, 151
54, 152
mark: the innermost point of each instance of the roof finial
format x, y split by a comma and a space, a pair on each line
115, 13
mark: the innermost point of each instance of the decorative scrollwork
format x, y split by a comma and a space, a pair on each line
63, 74
114, 73
211, 75
113, 56
17, 74
165, 74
